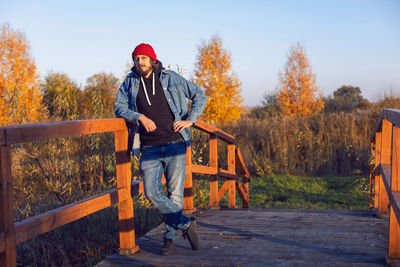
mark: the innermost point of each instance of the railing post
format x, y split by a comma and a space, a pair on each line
378, 178
394, 229
188, 191
372, 181
232, 184
385, 157
7, 226
245, 182
213, 150
245, 179
125, 207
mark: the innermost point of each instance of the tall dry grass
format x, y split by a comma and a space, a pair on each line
52, 173
326, 144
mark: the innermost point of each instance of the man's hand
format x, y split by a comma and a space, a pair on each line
148, 124
180, 125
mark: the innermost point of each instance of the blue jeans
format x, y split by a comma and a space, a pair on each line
169, 159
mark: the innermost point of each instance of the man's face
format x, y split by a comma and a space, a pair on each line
143, 64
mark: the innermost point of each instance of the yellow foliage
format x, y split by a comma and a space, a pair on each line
222, 87
20, 98
298, 93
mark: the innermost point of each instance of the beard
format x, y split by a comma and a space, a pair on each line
144, 71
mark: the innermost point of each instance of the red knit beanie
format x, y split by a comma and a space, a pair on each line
144, 49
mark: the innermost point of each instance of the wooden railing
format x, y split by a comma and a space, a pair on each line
12, 233
385, 176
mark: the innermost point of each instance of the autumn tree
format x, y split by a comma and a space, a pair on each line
100, 94
20, 98
62, 96
213, 73
298, 93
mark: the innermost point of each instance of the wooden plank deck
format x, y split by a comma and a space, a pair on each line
270, 238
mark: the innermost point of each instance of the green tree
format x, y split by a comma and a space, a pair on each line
100, 94
62, 97
347, 98
268, 109
213, 72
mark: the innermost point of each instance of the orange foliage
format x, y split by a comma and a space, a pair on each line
222, 87
20, 98
298, 93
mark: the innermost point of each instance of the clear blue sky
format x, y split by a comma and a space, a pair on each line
347, 42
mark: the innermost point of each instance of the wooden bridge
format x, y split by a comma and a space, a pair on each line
270, 238
228, 237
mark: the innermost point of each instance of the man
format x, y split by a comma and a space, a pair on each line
157, 101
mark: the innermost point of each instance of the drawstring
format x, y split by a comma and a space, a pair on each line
154, 88
145, 91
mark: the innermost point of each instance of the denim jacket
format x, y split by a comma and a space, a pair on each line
178, 91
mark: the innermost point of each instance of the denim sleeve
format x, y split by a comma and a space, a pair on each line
122, 109
198, 98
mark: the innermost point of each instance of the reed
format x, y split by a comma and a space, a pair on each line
327, 144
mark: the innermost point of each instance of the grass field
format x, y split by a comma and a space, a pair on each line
298, 192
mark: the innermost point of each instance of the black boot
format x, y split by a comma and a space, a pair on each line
168, 248
190, 234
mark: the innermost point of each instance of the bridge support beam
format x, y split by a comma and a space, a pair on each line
384, 157
7, 227
213, 152
393, 254
125, 206
232, 183
188, 187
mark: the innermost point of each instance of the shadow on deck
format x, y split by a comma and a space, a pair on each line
270, 238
